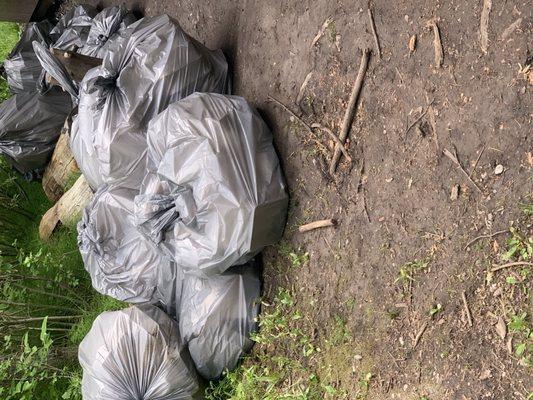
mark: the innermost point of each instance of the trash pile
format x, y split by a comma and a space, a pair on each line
188, 191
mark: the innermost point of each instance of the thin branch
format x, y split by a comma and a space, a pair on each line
419, 118
467, 309
477, 160
455, 160
374, 32
513, 264
351, 109
334, 138
483, 237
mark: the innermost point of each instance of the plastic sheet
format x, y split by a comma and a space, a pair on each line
217, 316
122, 263
22, 66
152, 64
214, 195
30, 124
136, 353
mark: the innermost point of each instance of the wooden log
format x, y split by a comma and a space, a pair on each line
76, 64
67, 210
62, 168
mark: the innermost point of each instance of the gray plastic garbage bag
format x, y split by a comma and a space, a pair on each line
215, 194
152, 64
55, 69
30, 124
73, 28
136, 353
122, 263
22, 66
104, 27
217, 316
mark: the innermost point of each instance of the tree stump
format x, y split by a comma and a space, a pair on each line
62, 169
68, 210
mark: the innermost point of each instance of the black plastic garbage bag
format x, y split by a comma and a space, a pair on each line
152, 64
122, 263
136, 353
214, 195
217, 316
22, 67
30, 124
73, 28
104, 28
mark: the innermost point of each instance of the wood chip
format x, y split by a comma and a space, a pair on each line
484, 25
317, 224
412, 44
454, 195
437, 42
321, 31
300, 96
511, 28
501, 328
420, 333
467, 309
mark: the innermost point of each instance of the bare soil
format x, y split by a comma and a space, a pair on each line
393, 201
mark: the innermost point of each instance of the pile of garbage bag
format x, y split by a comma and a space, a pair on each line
153, 63
81, 29
188, 192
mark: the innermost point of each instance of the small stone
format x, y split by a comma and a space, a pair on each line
454, 194
498, 292
498, 170
485, 375
358, 357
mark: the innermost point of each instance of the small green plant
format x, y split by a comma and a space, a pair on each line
296, 257
519, 247
408, 270
527, 209
519, 325
364, 385
435, 310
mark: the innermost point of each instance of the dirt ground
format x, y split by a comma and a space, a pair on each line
393, 202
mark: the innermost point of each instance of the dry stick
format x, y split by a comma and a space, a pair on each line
477, 160
467, 309
301, 121
513, 264
419, 118
455, 160
317, 224
483, 237
376, 38
335, 139
420, 333
350, 111
484, 25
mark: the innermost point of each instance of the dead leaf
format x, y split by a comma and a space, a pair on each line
412, 44
495, 247
530, 158
510, 345
501, 328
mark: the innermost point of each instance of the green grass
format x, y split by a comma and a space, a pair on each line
9, 36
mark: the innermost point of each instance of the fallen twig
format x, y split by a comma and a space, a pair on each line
301, 121
477, 160
334, 138
437, 42
321, 31
511, 28
455, 160
300, 96
433, 124
420, 333
419, 118
484, 25
513, 264
317, 224
350, 111
483, 237
374, 33
467, 309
